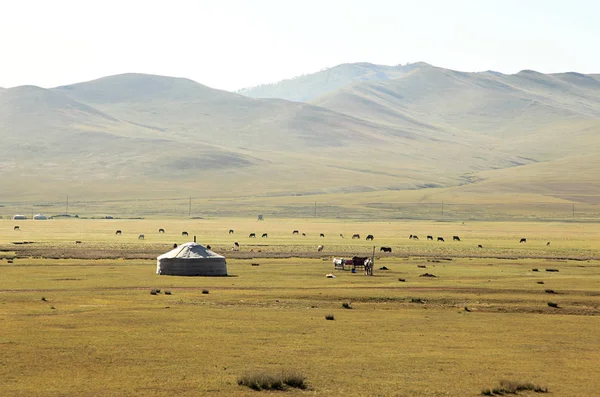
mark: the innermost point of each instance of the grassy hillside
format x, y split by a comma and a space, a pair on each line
377, 136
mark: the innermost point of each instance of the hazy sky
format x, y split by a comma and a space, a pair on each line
230, 44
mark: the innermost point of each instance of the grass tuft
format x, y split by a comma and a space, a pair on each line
44, 299
402, 280
534, 270
550, 291
167, 292
205, 291
513, 387
262, 380
346, 305
552, 304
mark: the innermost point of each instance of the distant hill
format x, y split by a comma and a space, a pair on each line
308, 87
414, 131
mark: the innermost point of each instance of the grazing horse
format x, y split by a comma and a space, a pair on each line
161, 230
252, 235
231, 231
440, 239
321, 235
184, 234
479, 246
355, 236
385, 249
455, 238
430, 238
341, 235
303, 234
294, 232
368, 265
320, 248
141, 237
410, 237
369, 237
548, 243
415, 237
16, 228
236, 246
264, 235
118, 232
523, 240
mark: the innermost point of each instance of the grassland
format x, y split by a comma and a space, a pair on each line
484, 318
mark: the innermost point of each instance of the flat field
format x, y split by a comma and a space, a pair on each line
78, 319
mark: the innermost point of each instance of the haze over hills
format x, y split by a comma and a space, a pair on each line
362, 128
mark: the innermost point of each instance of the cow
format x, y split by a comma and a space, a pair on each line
184, 233
16, 228
430, 238
231, 231
118, 232
264, 235
385, 249
369, 237
294, 232
141, 237
455, 238
523, 240
321, 235
320, 248
355, 236
440, 239
252, 235
161, 230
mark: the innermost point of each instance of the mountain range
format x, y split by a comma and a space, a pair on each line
415, 132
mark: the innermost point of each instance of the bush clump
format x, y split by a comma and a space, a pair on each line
553, 304
346, 305
263, 380
513, 387
329, 317
205, 291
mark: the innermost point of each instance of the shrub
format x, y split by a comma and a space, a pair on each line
44, 299
262, 380
552, 304
167, 292
329, 317
401, 279
513, 387
416, 300
153, 292
346, 305
205, 291
550, 291
540, 282
552, 270
534, 270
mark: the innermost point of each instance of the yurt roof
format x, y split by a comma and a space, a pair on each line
190, 251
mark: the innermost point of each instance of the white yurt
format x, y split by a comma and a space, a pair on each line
40, 217
191, 259
19, 217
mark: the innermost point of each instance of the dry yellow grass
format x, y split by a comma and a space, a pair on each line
101, 333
